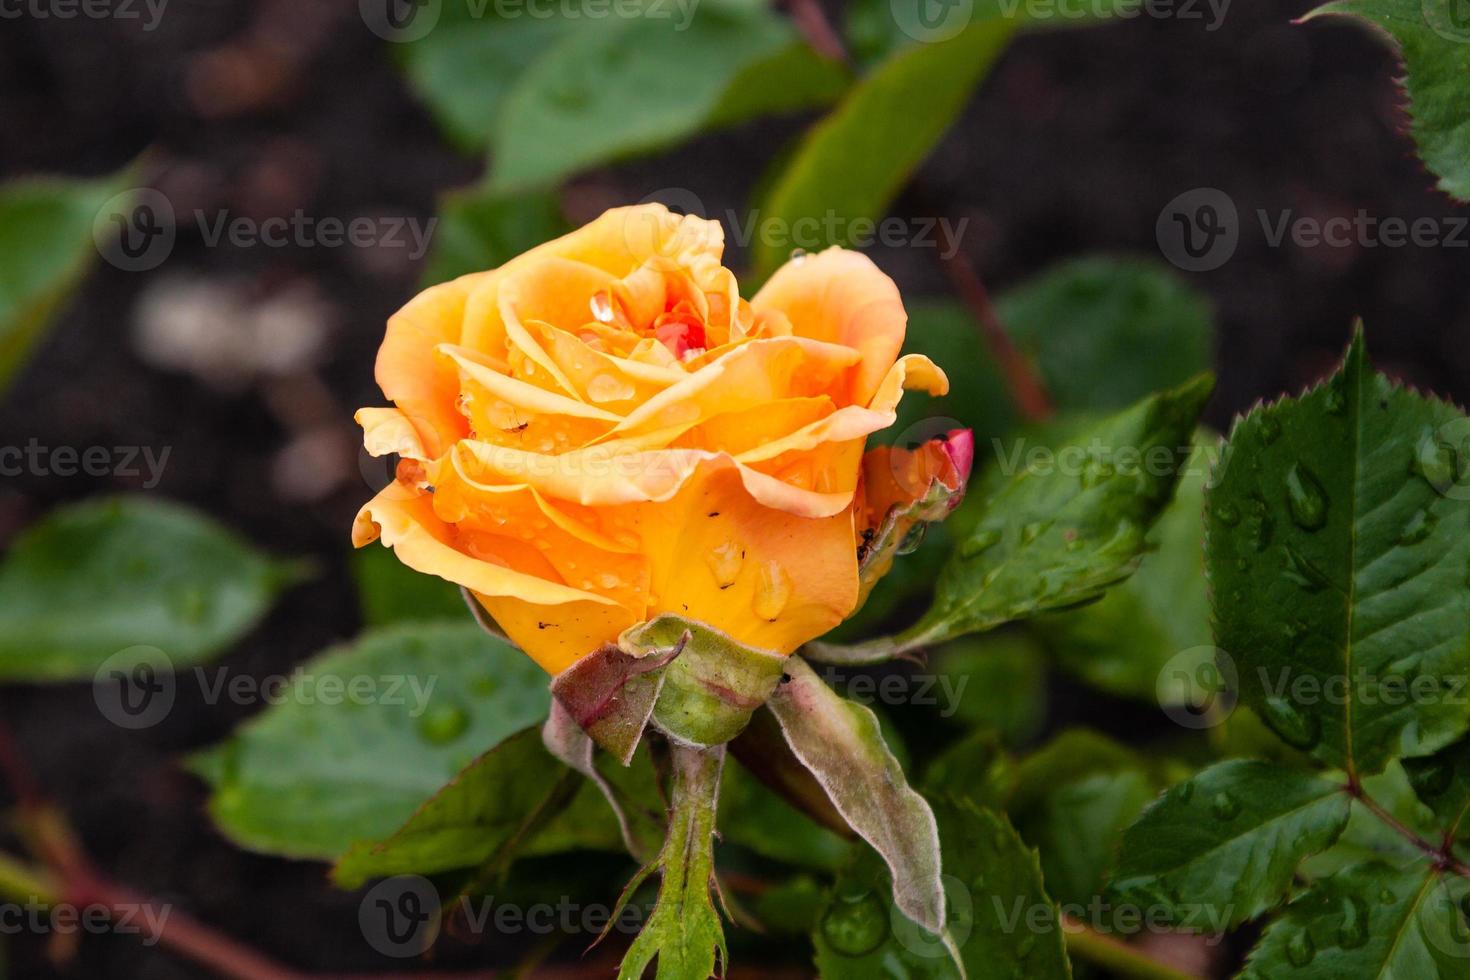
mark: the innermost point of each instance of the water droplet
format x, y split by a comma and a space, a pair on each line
610, 388
607, 580
855, 925
724, 563
1228, 514
1420, 526
1270, 429
1300, 949
912, 539
1224, 806
1303, 572
798, 256
772, 590
192, 605
602, 307
1305, 498
1185, 791
1353, 932
443, 723
1295, 728
1336, 397
988, 579
1030, 532
1096, 471
1387, 897
504, 415
980, 542
1436, 462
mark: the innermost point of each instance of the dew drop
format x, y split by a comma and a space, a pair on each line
1270, 429
1300, 949
1336, 397
192, 605
1387, 897
1185, 791
609, 388
443, 723
1224, 806
503, 415
607, 580
724, 562
1303, 572
1296, 729
1353, 932
602, 307
1030, 532
1436, 462
772, 590
980, 542
1305, 498
798, 256
855, 925
912, 539
1228, 514
1420, 526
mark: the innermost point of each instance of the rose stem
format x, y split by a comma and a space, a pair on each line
1107, 952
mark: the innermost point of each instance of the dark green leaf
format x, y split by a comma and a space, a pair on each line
325, 767
1339, 538
756, 818
480, 230
589, 822
1222, 847
1442, 782
1434, 38
977, 767
660, 79
391, 592
1159, 618
1367, 837
483, 816
1056, 536
1073, 799
1371, 920
46, 229
996, 899
91, 581
1084, 322
996, 681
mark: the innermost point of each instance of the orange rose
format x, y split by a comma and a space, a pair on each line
601, 431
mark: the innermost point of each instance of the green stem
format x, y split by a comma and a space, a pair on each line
22, 883
1120, 958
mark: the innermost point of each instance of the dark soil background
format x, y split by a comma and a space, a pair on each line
1073, 146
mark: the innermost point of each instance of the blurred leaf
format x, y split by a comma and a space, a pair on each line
589, 822
1123, 643
1371, 920
790, 907
480, 230
1367, 837
1433, 36
1085, 322
994, 891
466, 65
1339, 538
996, 681
391, 592
1442, 782
1072, 800
46, 229
756, 818
483, 816
642, 83
1057, 536
1223, 847
91, 580
946, 333
855, 161
323, 769
976, 767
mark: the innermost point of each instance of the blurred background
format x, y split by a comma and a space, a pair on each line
243, 359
